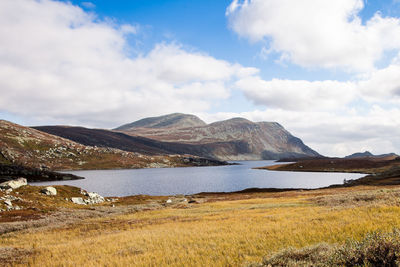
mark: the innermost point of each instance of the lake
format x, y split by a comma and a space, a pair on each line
190, 180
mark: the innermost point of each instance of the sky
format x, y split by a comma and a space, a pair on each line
328, 71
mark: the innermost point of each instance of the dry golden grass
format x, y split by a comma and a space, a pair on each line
226, 233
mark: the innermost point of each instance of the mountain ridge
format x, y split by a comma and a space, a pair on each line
177, 120
368, 154
261, 140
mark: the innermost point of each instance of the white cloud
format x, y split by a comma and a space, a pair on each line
377, 87
321, 33
129, 29
298, 94
88, 5
61, 64
383, 85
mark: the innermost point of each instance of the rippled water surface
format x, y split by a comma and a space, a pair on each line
170, 181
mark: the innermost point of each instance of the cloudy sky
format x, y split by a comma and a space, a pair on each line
329, 71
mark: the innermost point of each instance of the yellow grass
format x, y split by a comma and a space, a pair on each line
228, 233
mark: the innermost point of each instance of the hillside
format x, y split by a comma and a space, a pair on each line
29, 147
106, 138
138, 144
233, 139
369, 155
175, 120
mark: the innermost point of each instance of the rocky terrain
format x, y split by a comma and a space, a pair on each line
29, 147
233, 139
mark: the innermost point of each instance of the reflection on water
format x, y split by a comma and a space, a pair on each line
170, 181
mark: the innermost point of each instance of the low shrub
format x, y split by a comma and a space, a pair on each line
375, 249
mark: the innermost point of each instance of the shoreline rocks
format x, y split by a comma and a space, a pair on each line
8, 172
14, 184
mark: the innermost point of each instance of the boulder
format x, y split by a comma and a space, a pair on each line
14, 184
94, 198
50, 191
78, 200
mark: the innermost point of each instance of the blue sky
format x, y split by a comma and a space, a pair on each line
326, 70
202, 25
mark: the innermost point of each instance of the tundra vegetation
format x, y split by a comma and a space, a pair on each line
353, 225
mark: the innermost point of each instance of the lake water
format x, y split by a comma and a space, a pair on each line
190, 180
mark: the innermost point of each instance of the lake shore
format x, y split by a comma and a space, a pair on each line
378, 172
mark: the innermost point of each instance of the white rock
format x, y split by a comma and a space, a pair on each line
14, 184
169, 201
8, 203
8, 191
94, 198
78, 200
50, 191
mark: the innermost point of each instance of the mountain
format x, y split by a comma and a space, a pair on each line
359, 155
368, 154
28, 147
233, 139
175, 120
138, 144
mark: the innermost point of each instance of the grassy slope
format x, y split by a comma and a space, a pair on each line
236, 229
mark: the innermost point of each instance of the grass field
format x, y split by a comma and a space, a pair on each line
236, 230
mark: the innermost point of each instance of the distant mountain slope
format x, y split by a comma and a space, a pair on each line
262, 140
29, 147
368, 154
106, 138
175, 120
